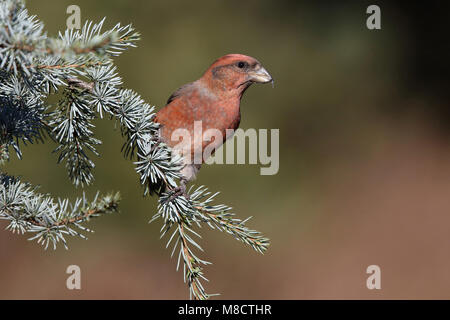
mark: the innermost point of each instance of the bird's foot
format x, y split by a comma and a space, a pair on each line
157, 141
180, 190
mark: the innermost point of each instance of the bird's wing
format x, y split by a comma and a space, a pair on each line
177, 114
180, 91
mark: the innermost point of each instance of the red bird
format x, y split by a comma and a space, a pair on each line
214, 99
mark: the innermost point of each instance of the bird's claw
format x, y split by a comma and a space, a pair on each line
157, 141
180, 190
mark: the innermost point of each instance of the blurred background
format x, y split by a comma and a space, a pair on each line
364, 156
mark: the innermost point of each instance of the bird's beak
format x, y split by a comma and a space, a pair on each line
260, 75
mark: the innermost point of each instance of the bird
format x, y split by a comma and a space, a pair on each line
213, 101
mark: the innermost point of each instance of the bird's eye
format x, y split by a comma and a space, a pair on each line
241, 64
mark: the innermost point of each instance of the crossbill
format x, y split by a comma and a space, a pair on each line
212, 101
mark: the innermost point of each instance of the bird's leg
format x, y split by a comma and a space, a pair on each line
157, 142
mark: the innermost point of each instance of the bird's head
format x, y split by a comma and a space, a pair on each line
234, 73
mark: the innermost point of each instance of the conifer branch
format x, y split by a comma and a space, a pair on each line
79, 64
30, 212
